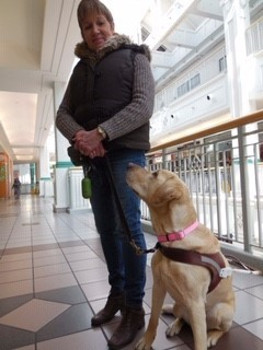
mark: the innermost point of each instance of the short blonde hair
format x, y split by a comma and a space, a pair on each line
93, 7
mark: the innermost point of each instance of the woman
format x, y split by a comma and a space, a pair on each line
105, 113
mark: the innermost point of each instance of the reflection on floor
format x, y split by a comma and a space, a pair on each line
53, 278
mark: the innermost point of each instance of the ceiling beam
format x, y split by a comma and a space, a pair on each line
162, 59
167, 24
207, 14
27, 146
5, 143
207, 8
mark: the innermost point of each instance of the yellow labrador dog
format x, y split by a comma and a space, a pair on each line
203, 298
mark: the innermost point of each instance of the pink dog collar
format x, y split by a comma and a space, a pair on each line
177, 236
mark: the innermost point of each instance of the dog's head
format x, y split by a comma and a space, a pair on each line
156, 188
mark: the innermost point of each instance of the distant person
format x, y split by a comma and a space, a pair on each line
17, 188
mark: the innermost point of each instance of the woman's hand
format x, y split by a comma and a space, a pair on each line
89, 143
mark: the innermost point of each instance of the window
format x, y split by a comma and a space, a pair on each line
222, 64
195, 81
183, 89
188, 85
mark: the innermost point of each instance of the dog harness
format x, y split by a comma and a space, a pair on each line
213, 262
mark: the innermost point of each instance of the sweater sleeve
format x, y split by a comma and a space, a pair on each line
65, 123
140, 109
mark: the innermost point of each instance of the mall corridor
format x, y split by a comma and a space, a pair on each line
53, 278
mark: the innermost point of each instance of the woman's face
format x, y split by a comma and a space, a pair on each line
96, 29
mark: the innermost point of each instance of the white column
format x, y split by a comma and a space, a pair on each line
45, 181
236, 21
61, 188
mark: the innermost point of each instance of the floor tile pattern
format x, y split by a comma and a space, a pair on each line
53, 278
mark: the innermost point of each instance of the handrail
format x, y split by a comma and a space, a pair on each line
223, 177
241, 121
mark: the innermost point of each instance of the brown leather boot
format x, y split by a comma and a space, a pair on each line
132, 321
113, 305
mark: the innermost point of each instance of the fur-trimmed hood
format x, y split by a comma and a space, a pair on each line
82, 50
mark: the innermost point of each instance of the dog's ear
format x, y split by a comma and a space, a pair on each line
168, 191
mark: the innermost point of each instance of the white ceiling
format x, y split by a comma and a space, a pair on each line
37, 43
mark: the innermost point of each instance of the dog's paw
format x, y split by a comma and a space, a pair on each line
212, 337
167, 309
175, 327
141, 345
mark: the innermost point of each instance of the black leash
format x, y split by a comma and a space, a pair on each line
138, 250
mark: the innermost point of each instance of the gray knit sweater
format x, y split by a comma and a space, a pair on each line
131, 117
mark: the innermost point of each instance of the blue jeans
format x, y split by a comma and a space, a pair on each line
127, 271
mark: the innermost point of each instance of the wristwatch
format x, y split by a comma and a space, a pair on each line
102, 132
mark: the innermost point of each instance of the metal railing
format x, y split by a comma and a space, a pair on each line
223, 169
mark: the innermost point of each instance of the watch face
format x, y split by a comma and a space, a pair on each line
102, 132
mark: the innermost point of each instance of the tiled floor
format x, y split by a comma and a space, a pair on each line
53, 278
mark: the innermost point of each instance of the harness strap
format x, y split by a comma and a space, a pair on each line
213, 262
